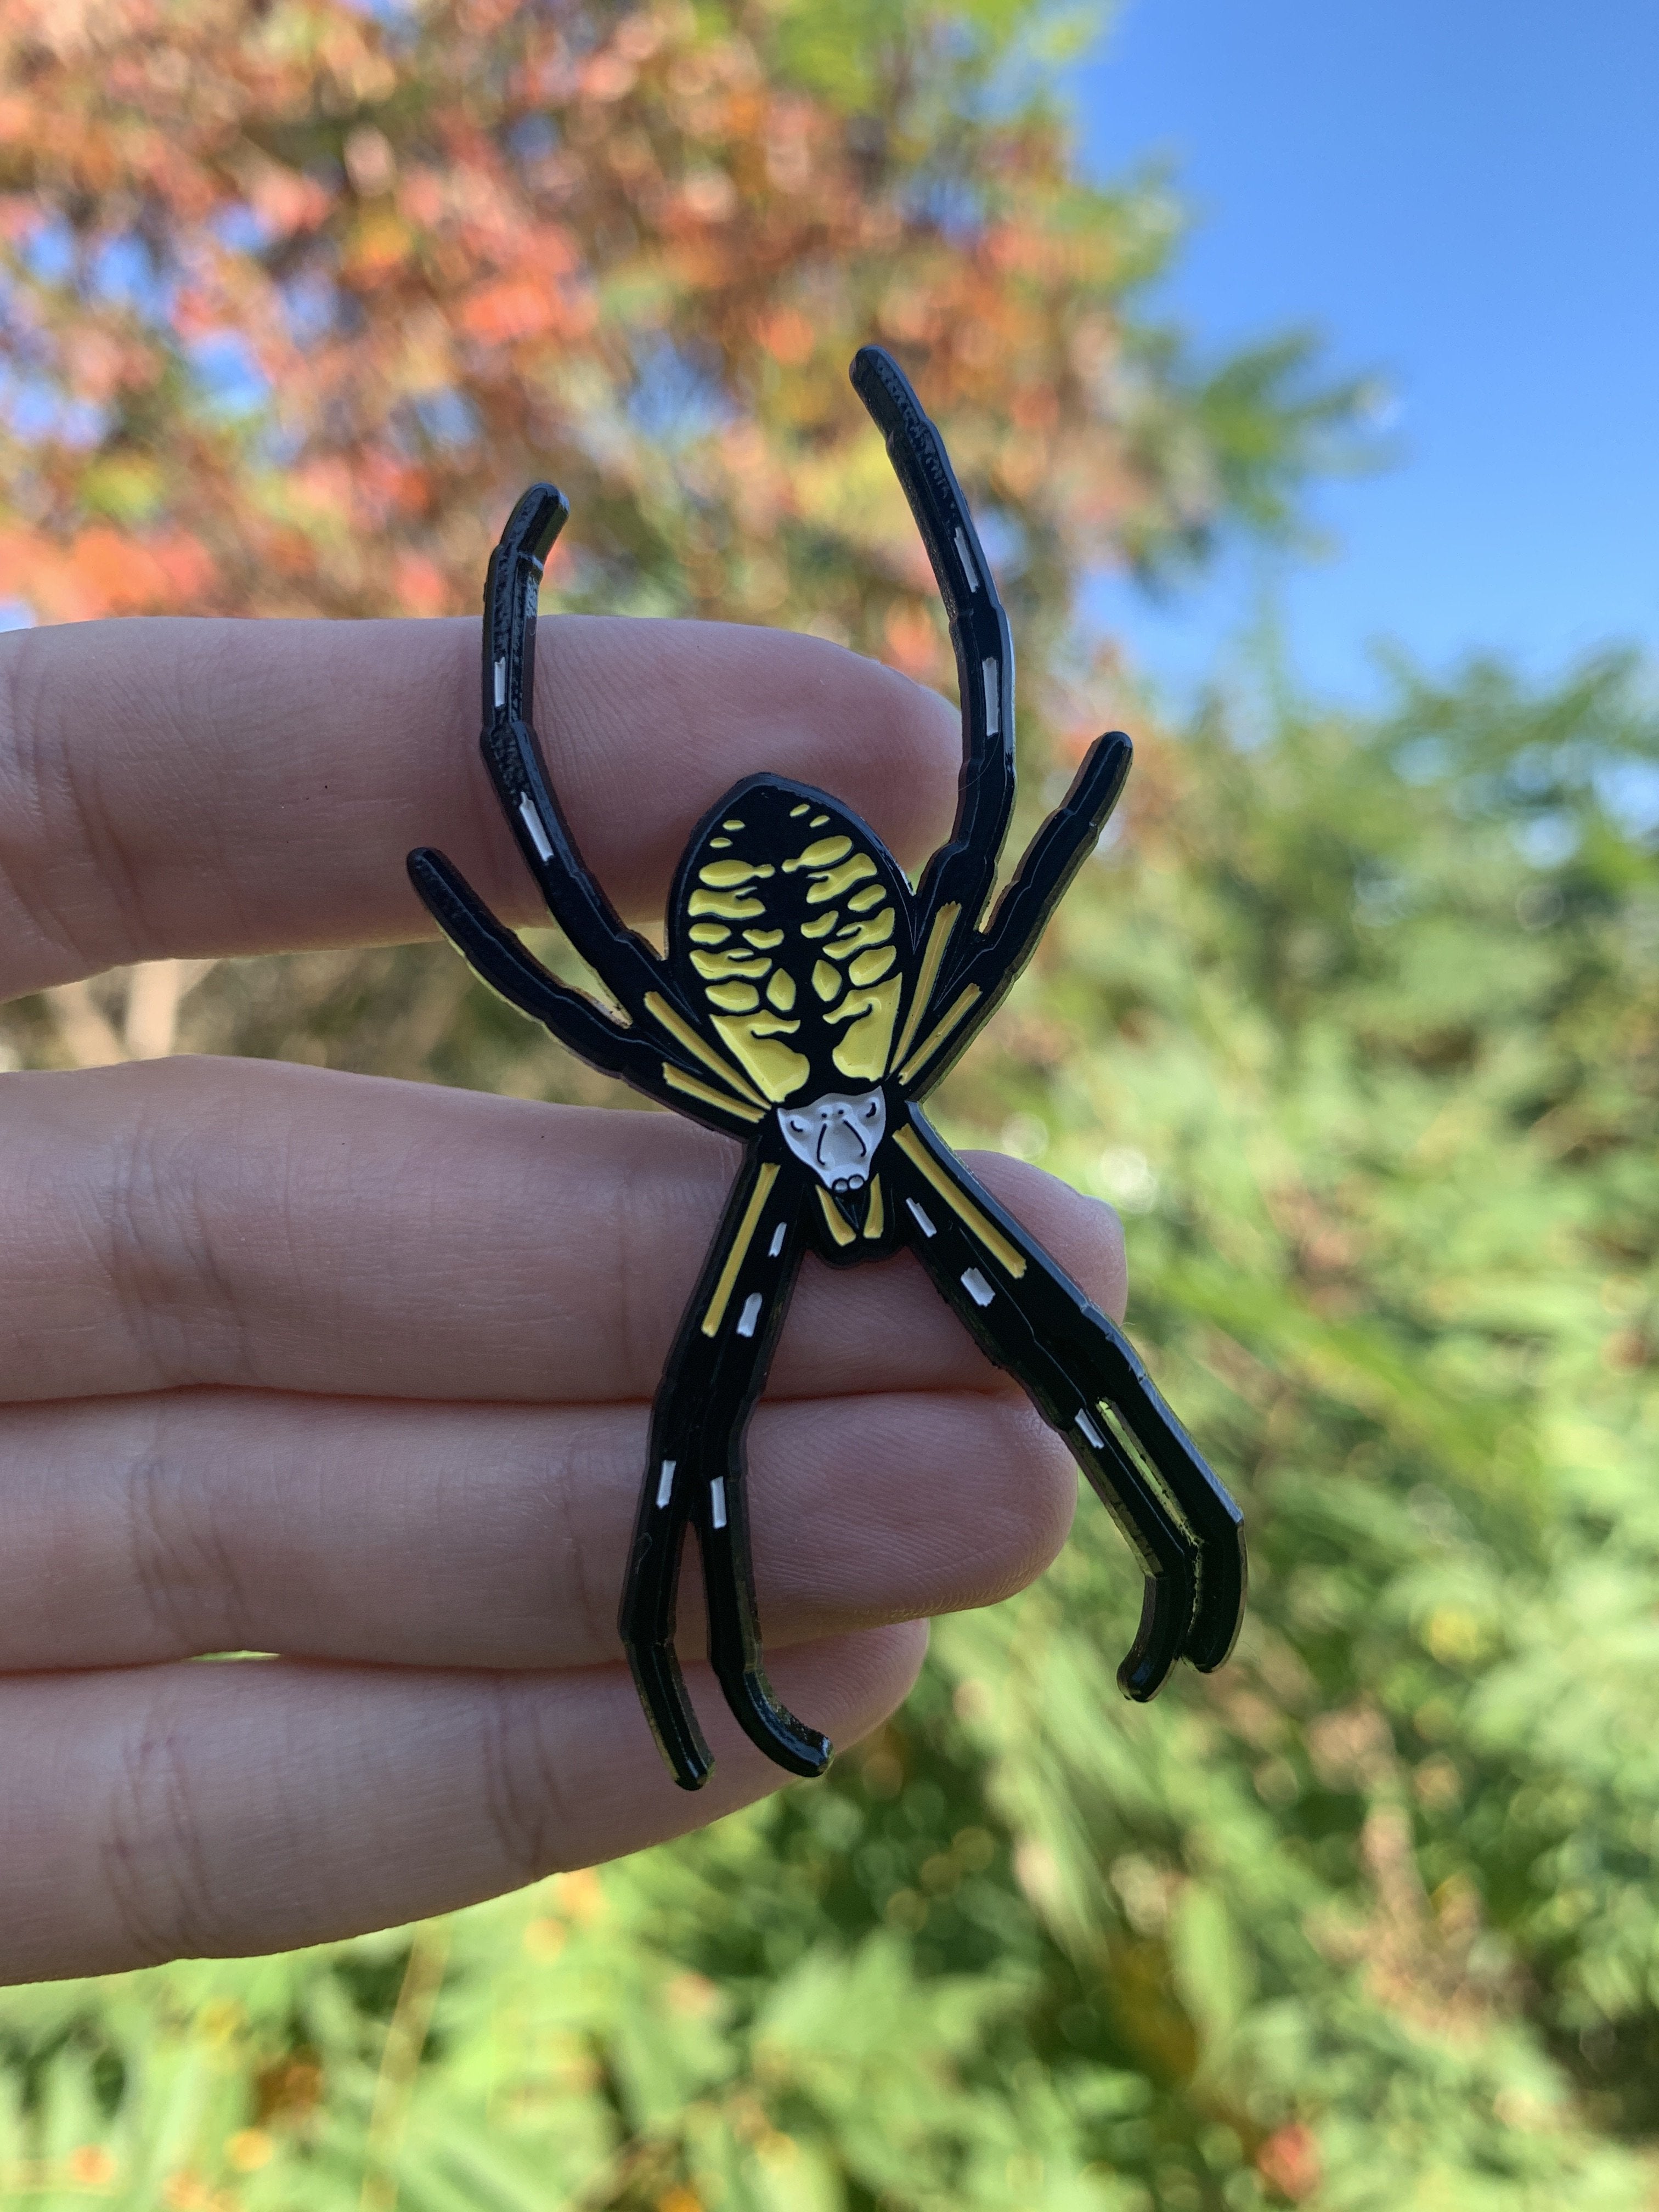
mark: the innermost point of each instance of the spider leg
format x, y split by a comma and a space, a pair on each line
1088, 1383
513, 753
648, 1616
695, 1473
961, 873
975, 968
494, 954
642, 984
662, 1050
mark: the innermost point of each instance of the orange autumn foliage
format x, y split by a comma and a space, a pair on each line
295, 301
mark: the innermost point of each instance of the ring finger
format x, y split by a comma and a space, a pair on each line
248, 1224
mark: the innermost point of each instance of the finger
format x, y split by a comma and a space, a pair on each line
260, 1225
143, 1530
177, 786
220, 1810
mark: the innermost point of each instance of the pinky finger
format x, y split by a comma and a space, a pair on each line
194, 1810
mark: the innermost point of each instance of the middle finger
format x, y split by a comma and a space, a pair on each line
267, 1226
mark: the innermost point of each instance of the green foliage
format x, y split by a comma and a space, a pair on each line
1237, 443
1381, 1097
1368, 1919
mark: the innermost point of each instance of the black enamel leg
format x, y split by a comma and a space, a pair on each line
1167, 1558
647, 1618
978, 968
987, 963
695, 1474
734, 1646
1222, 1567
961, 873
513, 754
1088, 1383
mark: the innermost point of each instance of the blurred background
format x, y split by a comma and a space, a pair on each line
1464, 199
1355, 1020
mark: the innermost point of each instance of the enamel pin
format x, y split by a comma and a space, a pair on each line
808, 1002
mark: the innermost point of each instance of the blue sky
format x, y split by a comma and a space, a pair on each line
1462, 196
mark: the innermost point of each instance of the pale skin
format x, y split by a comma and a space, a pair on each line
359, 1371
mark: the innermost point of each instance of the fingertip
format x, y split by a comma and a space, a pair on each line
883, 744
1025, 1526
884, 1669
892, 1506
847, 1686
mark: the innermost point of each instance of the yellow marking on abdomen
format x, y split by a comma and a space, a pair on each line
1006, 1255
936, 1036
877, 929
726, 875
740, 1243
756, 1040
876, 1220
735, 961
824, 854
869, 1015
726, 906
832, 882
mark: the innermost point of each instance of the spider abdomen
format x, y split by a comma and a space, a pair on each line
790, 924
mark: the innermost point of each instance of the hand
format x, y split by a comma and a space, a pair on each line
358, 1371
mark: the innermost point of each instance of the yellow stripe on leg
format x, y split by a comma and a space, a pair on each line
677, 1080
740, 1243
832, 1214
936, 1036
943, 922
660, 1011
1007, 1255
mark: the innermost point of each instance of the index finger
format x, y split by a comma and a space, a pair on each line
191, 787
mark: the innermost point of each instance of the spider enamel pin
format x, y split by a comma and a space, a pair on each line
808, 1002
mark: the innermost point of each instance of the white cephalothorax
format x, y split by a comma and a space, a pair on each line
837, 1135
